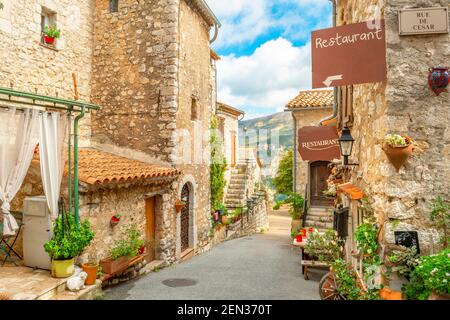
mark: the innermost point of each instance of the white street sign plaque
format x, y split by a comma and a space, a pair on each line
423, 21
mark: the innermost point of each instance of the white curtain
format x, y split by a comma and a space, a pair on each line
52, 134
18, 137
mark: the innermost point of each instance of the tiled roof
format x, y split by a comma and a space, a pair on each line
312, 99
98, 167
229, 109
351, 191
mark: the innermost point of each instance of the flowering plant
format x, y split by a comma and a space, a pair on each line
396, 140
326, 247
432, 274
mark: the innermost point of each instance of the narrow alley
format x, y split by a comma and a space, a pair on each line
262, 266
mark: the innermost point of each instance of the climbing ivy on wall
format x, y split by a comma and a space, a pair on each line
218, 165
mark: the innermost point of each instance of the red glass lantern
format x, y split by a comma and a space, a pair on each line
438, 79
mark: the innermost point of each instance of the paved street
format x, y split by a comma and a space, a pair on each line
261, 266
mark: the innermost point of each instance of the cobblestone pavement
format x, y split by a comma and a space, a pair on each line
262, 266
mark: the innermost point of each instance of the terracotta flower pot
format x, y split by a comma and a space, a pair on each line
436, 296
398, 155
224, 219
388, 294
179, 205
91, 270
299, 238
111, 267
114, 221
49, 40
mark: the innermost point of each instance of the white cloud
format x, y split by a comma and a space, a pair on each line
267, 79
243, 21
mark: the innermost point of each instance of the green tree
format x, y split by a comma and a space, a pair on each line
218, 165
284, 179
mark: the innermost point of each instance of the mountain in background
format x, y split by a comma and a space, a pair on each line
274, 134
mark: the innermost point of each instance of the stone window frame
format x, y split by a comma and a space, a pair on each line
49, 17
113, 6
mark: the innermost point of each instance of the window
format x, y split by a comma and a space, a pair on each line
194, 109
222, 127
48, 18
113, 6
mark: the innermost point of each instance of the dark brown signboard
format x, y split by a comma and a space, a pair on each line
350, 54
318, 143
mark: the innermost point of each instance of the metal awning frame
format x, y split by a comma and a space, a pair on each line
55, 103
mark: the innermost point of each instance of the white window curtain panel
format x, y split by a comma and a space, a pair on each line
19, 134
52, 155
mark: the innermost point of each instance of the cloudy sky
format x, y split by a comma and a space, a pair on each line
265, 50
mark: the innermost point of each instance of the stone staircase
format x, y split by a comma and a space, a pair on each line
236, 193
320, 218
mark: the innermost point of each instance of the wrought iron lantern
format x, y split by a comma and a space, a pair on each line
346, 142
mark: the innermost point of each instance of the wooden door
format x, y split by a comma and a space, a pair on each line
319, 173
151, 227
233, 149
185, 195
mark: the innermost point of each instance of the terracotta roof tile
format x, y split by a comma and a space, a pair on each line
351, 191
312, 99
98, 167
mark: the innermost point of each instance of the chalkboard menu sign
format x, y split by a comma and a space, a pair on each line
407, 239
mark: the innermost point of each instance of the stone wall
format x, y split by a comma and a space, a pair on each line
29, 66
305, 118
135, 78
403, 105
194, 84
98, 206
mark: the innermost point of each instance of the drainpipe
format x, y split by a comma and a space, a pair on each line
335, 103
75, 164
295, 153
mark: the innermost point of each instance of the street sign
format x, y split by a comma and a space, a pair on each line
350, 54
318, 143
423, 21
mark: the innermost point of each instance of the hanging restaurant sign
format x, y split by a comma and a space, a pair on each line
349, 54
423, 21
318, 143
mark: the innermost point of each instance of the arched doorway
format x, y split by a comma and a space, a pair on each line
318, 176
185, 217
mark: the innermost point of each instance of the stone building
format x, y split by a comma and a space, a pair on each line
150, 66
404, 105
152, 71
229, 118
308, 108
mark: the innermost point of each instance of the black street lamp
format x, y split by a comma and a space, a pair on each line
346, 145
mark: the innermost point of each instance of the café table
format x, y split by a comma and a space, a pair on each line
7, 242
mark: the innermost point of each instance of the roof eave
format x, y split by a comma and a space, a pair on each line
206, 12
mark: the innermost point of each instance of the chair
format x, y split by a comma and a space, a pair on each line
7, 242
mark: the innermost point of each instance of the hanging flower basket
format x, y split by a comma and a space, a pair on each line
398, 149
115, 220
179, 205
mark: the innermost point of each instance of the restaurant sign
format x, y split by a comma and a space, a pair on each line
423, 21
318, 143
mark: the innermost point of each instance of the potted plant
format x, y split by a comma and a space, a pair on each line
179, 205
69, 240
91, 268
50, 34
124, 249
398, 149
115, 219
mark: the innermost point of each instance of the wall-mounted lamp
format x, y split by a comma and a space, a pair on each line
346, 145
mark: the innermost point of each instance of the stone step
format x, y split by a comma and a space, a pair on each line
234, 186
320, 218
234, 197
317, 224
229, 203
234, 191
320, 213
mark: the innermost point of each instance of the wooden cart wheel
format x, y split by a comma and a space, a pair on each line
328, 288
